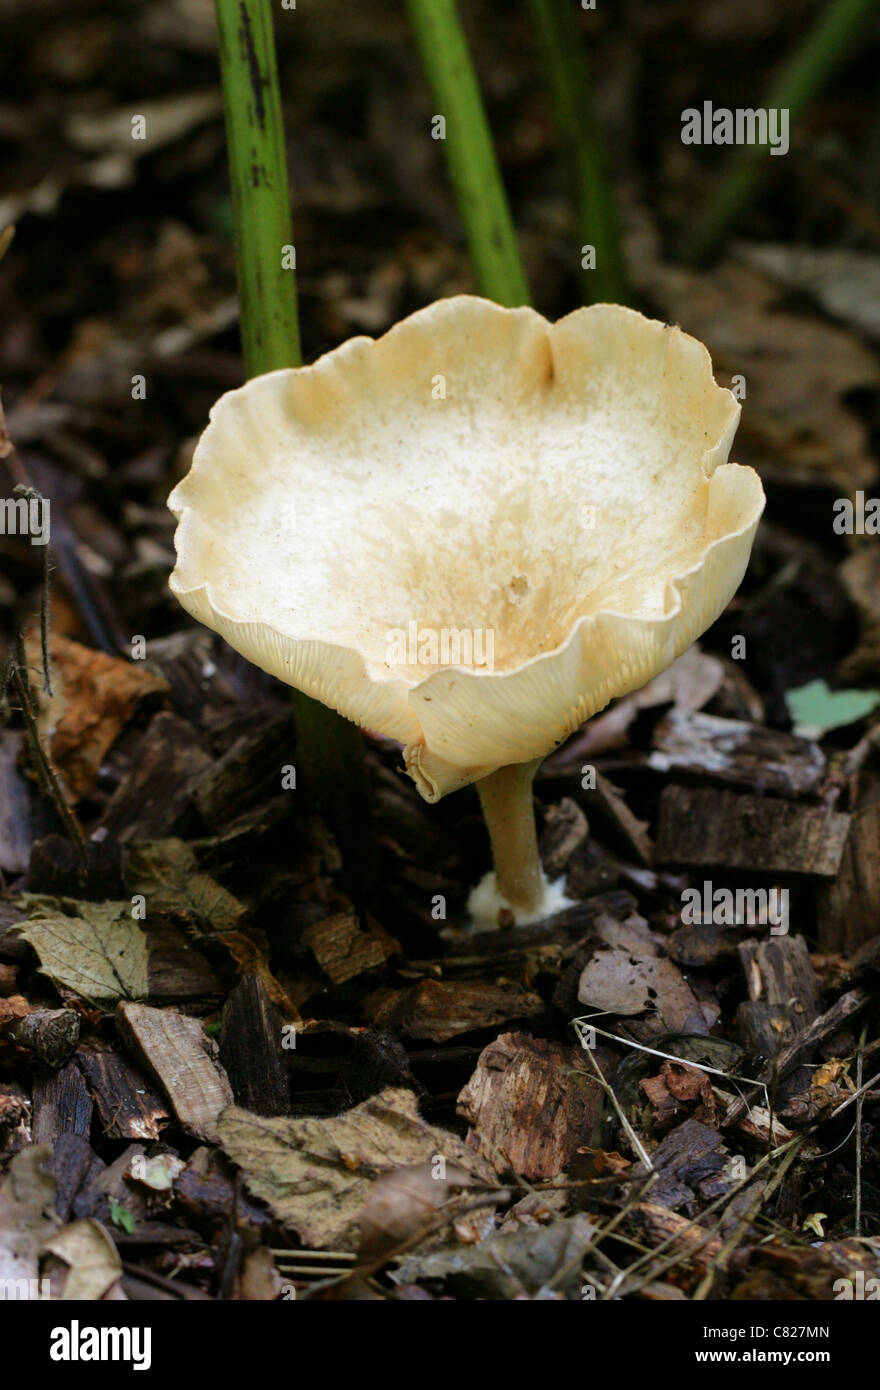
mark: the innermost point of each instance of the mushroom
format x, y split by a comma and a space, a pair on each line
470, 535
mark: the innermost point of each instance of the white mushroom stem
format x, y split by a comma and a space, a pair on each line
506, 799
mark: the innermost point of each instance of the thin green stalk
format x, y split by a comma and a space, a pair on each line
569, 78
260, 193
473, 168
329, 752
827, 44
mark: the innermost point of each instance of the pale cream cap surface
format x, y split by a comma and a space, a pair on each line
563, 486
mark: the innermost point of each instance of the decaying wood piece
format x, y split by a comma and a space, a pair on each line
247, 769
343, 947
250, 1049
848, 909
72, 1160
783, 993
177, 970
737, 752
51, 1034
655, 1224
565, 930
685, 1158
437, 1010
206, 1193
565, 830
531, 1104
128, 1104
760, 834
62, 1104
606, 805
177, 1051
378, 1061
799, 1048
154, 799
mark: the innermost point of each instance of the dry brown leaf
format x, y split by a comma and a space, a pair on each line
167, 873
27, 1214
92, 1260
402, 1202
95, 949
317, 1174
678, 1084
94, 697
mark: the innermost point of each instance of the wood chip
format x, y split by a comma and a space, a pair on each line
344, 948
734, 751
606, 807
565, 830
51, 1034
783, 994
801, 1046
62, 1104
531, 1104
438, 1010
657, 1224
683, 1160
154, 799
178, 1052
848, 909
760, 834
128, 1104
250, 1049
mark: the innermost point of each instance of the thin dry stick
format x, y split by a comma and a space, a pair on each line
743, 1225
32, 494
630, 1132
859, 1104
725, 1200
855, 1098
648, 1182
45, 772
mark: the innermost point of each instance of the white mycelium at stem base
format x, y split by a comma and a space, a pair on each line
518, 882
567, 490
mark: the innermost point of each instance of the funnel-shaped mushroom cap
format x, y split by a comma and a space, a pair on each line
474, 532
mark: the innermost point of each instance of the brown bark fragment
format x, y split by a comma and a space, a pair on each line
848, 909
760, 834
531, 1105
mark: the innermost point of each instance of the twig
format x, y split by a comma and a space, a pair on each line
634, 1139
34, 494
794, 1051
856, 1098
724, 1200
733, 1240
45, 772
859, 1104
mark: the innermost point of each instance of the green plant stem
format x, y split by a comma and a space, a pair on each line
473, 168
569, 79
260, 193
825, 47
329, 753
